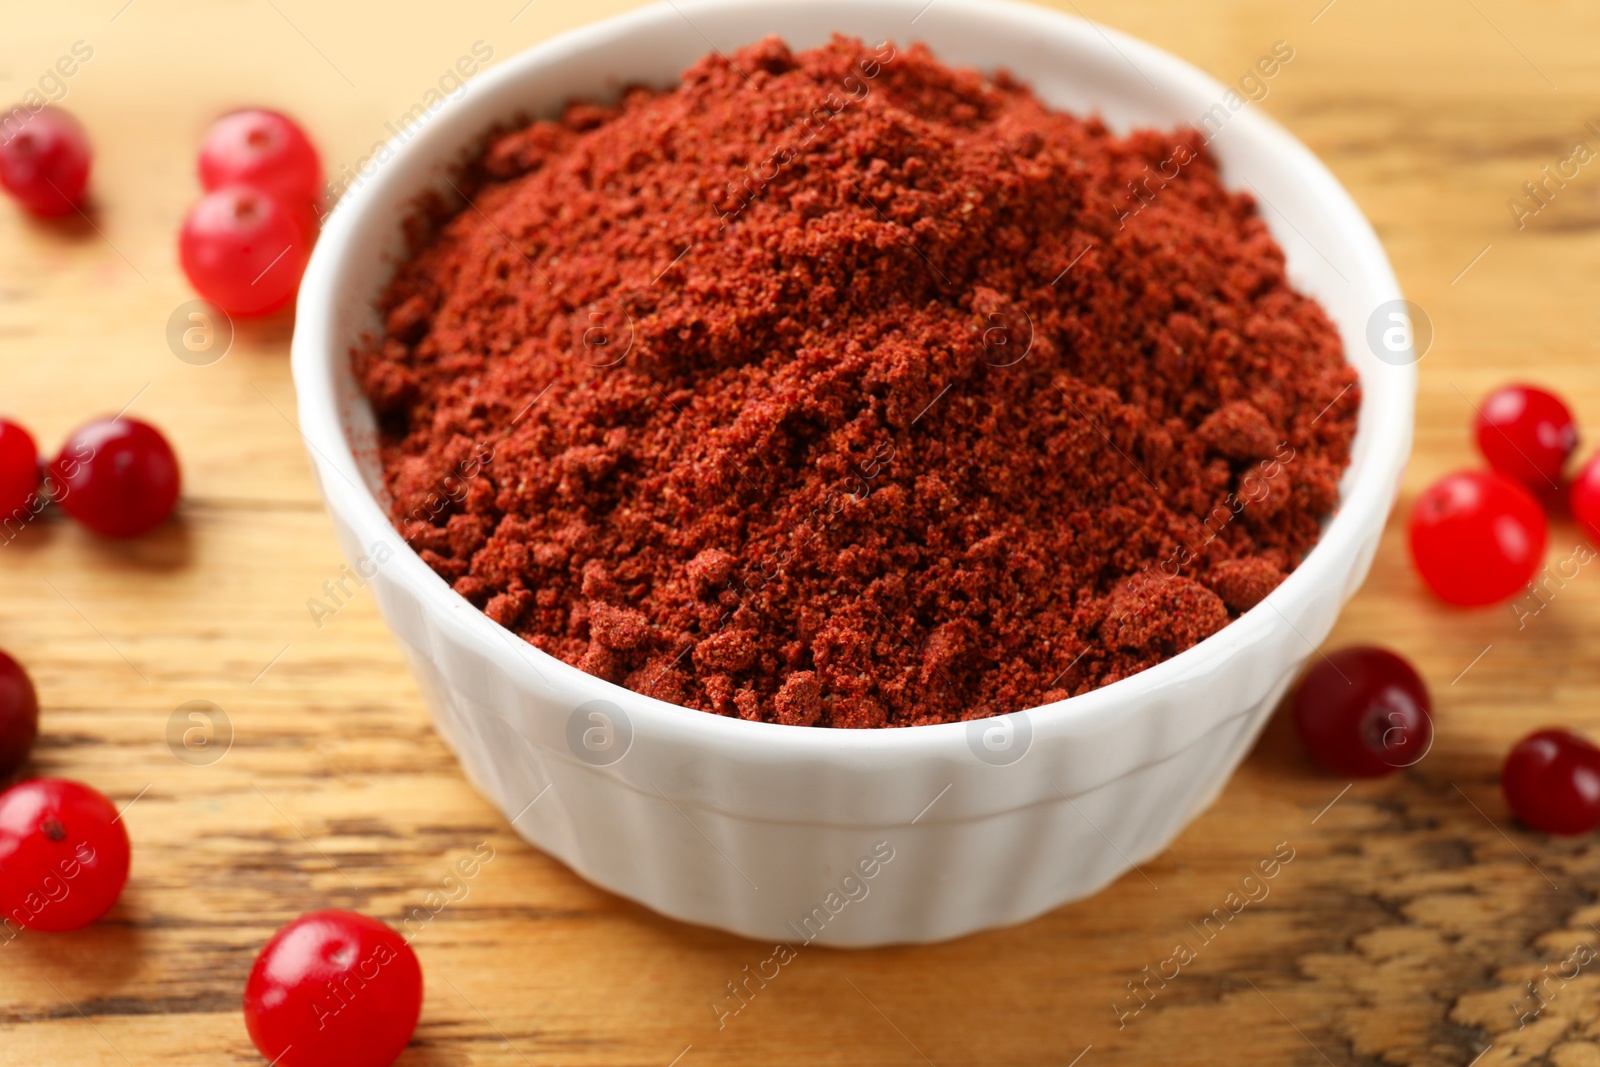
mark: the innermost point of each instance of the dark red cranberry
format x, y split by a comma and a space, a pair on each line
19, 716
44, 163
19, 473
119, 477
1363, 712
1552, 782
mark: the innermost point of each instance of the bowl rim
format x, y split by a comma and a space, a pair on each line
1366, 488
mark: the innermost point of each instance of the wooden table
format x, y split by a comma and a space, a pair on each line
1409, 921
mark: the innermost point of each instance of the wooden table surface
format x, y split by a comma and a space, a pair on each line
1409, 922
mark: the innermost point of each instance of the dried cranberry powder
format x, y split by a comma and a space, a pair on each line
846, 389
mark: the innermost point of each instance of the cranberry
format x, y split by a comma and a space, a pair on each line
264, 149
19, 472
63, 854
333, 987
1584, 498
119, 477
45, 163
19, 716
1526, 434
1476, 537
1552, 782
244, 250
1363, 712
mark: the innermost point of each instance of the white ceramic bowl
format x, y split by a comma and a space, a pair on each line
771, 831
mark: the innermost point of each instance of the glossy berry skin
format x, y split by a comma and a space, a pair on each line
1552, 782
333, 987
244, 250
119, 477
1526, 434
1476, 537
1584, 498
19, 473
63, 854
19, 717
45, 163
1363, 712
264, 149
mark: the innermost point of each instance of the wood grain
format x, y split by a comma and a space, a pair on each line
1402, 932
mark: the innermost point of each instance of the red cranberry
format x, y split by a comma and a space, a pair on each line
19, 473
1584, 498
63, 854
244, 250
1552, 782
1363, 712
1476, 537
1526, 434
264, 149
19, 717
45, 163
333, 987
119, 477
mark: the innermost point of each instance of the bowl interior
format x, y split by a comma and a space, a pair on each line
1331, 251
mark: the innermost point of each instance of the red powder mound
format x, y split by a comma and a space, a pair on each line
845, 389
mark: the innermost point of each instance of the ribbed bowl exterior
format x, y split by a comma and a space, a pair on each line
849, 838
